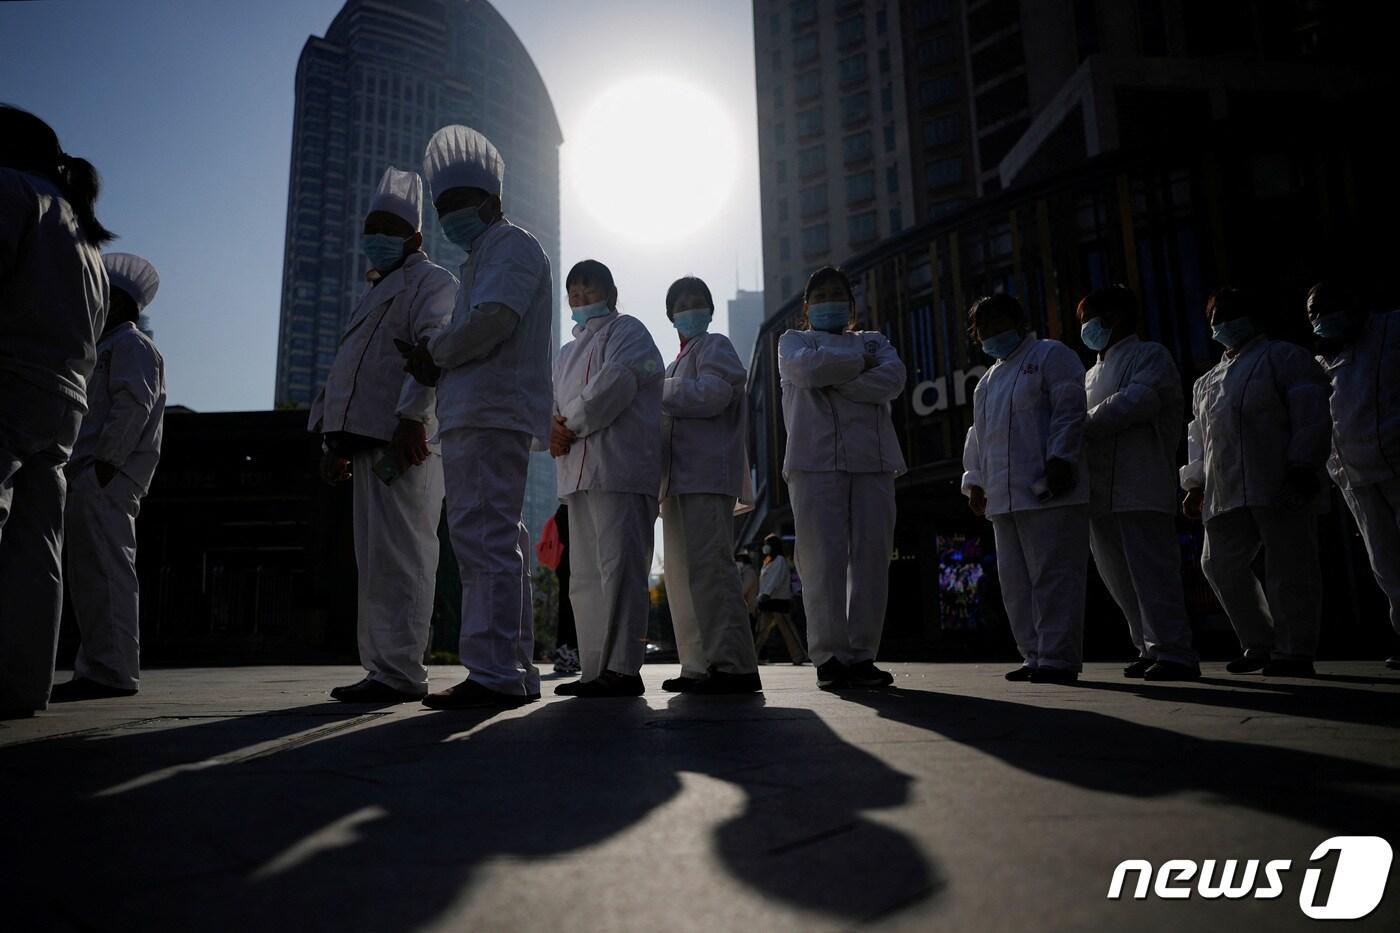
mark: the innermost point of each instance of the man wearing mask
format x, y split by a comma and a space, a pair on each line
1361, 355
113, 462
1023, 470
1130, 437
494, 399
376, 423
1257, 444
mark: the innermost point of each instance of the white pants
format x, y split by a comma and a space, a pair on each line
37, 431
1284, 623
1376, 509
1043, 562
707, 607
610, 535
485, 472
100, 528
844, 524
1140, 562
396, 551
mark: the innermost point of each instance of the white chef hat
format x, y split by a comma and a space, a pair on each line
400, 194
133, 275
460, 157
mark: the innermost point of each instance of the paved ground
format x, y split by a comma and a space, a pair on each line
240, 799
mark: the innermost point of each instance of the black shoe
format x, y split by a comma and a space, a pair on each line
1171, 670
721, 682
1247, 664
866, 674
1138, 668
80, 688
1280, 667
1054, 675
471, 695
373, 691
1020, 674
831, 675
1393, 662
606, 684
681, 684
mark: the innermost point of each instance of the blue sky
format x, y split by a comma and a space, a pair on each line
185, 107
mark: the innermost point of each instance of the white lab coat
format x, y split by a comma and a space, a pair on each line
126, 407
367, 392
775, 579
703, 443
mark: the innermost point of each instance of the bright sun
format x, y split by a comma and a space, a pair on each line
653, 159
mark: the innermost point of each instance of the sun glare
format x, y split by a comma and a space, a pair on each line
653, 159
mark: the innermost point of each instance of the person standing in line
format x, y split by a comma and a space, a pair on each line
1023, 470
53, 302
492, 404
375, 424
1257, 444
774, 602
1135, 418
841, 462
1361, 355
110, 472
606, 439
704, 472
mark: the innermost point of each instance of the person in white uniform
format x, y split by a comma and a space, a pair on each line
493, 404
1136, 410
376, 422
841, 461
606, 440
1023, 465
704, 480
774, 602
53, 301
110, 472
1361, 355
1257, 444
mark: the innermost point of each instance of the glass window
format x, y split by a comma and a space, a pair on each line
862, 227
782, 209
856, 147
882, 21
938, 90
805, 48
784, 249
780, 133
812, 201
896, 220
804, 12
809, 85
887, 99
782, 170
852, 69
935, 51
855, 108
809, 122
816, 240
811, 160
885, 61
941, 131
850, 31
943, 172
860, 187
889, 138
786, 286
928, 12
778, 97
775, 23
892, 178
777, 60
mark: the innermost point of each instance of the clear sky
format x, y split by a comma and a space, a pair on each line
185, 107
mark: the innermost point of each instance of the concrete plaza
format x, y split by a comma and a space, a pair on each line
242, 799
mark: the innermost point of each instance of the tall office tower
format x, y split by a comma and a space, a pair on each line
863, 117
369, 95
745, 318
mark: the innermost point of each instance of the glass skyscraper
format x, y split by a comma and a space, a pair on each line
386, 76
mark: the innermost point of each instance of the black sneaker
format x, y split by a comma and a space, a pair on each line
1247, 664
681, 684
80, 688
722, 682
471, 695
866, 674
606, 684
1054, 675
831, 674
1138, 668
1280, 667
1020, 674
1171, 670
372, 691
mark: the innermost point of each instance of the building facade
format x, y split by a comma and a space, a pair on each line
385, 77
745, 318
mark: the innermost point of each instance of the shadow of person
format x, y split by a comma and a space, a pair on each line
386, 824
1099, 752
1274, 697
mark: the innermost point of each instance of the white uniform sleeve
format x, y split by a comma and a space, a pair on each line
431, 311
1148, 388
1306, 390
1064, 381
719, 375
134, 384
810, 367
631, 362
882, 382
972, 461
511, 277
1193, 474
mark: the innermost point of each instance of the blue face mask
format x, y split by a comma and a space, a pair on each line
693, 323
463, 226
1002, 345
383, 250
1332, 326
830, 316
1233, 334
586, 313
1095, 335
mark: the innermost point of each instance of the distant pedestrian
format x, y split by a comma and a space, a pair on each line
775, 601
